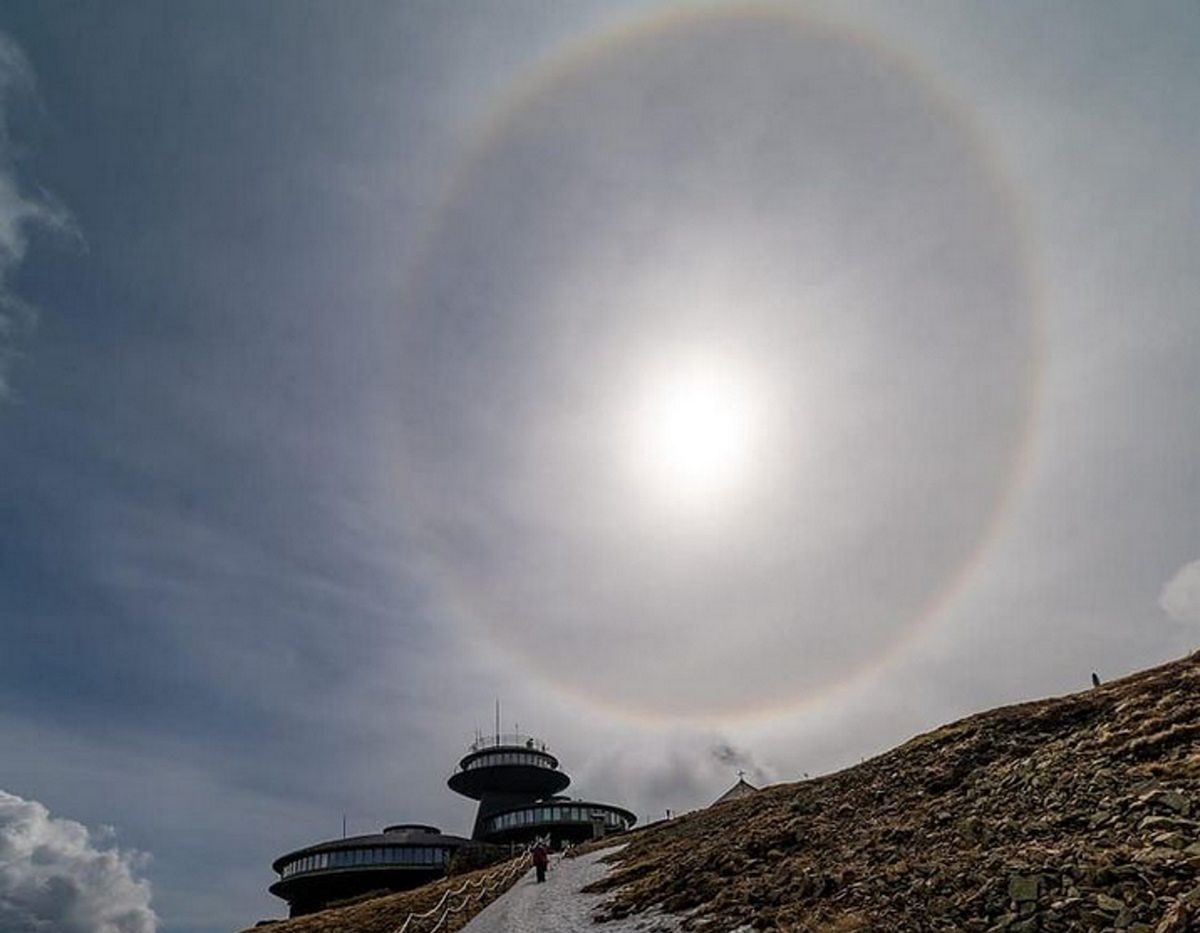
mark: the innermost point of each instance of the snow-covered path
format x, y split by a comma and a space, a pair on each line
559, 906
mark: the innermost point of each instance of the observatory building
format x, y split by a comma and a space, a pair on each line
518, 785
404, 856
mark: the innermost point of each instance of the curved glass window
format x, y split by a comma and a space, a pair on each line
425, 856
491, 759
558, 813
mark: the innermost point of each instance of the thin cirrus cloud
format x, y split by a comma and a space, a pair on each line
55, 876
748, 192
22, 212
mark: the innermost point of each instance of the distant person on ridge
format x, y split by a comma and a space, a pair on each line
541, 858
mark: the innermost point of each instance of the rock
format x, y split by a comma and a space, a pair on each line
1024, 888
1171, 800
1151, 823
1170, 840
1175, 920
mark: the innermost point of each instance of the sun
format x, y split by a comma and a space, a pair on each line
694, 429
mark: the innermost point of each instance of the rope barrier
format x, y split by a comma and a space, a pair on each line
485, 885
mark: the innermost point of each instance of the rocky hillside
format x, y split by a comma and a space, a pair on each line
1078, 813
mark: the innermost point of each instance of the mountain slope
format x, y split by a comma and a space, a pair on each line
1076, 813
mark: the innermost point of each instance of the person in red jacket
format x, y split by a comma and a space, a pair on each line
541, 858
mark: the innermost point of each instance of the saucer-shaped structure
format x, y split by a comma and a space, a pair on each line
401, 857
517, 783
560, 819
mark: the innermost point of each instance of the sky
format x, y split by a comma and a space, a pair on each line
721, 387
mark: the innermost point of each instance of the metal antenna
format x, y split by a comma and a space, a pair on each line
343, 825
497, 720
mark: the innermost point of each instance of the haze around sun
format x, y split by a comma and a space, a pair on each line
732, 360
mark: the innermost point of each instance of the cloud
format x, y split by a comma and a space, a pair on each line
1180, 598
727, 755
679, 771
21, 212
55, 879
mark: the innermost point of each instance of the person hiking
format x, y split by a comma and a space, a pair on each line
541, 858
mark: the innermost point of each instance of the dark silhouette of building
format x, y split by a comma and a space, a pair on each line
739, 790
517, 783
401, 857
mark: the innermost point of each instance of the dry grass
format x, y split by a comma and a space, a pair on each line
385, 914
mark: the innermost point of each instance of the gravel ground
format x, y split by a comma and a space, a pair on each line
559, 905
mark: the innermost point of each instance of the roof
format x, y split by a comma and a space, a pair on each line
739, 790
560, 800
410, 835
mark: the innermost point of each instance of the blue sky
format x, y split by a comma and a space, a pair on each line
327, 331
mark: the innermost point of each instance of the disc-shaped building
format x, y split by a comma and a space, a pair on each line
518, 783
519, 788
401, 857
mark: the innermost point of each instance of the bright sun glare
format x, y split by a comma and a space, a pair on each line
695, 424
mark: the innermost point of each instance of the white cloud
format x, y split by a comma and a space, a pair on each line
55, 879
21, 212
1180, 598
